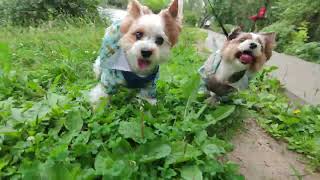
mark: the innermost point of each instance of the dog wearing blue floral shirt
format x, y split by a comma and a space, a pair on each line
133, 48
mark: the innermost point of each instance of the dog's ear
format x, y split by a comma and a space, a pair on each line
234, 33
135, 9
175, 9
270, 43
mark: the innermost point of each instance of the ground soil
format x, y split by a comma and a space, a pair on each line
263, 158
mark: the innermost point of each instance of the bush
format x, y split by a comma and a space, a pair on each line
191, 18
156, 5
294, 40
117, 3
26, 12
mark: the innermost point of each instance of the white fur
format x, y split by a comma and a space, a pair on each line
96, 94
227, 68
153, 26
97, 68
246, 44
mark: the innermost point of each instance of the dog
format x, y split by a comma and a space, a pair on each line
133, 49
241, 57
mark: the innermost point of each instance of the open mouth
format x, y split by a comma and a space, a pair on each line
245, 57
143, 63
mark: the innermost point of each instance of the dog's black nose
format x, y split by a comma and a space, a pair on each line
253, 45
146, 54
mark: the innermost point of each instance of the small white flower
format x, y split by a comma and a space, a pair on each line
31, 138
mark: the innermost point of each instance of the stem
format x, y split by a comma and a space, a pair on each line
142, 124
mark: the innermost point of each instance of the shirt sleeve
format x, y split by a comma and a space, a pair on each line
110, 43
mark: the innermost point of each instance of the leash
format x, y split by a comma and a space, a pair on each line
225, 32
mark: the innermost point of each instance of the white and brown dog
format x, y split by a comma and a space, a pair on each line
133, 49
243, 54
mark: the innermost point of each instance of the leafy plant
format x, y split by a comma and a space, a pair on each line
156, 5
48, 131
296, 124
30, 12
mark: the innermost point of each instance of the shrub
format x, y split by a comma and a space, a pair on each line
191, 18
294, 40
26, 12
156, 5
117, 3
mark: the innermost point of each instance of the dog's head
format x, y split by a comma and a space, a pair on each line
248, 50
148, 37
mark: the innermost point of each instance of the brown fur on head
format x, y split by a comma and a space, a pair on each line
250, 50
147, 37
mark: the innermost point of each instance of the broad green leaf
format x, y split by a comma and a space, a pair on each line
17, 114
5, 161
191, 173
135, 131
153, 151
213, 166
59, 153
53, 99
210, 149
223, 112
122, 147
8, 131
74, 121
168, 173
288, 119
110, 168
4, 58
103, 162
182, 152
201, 137
58, 171
35, 114
31, 171
191, 86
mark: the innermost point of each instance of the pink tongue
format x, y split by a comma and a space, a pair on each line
143, 63
246, 59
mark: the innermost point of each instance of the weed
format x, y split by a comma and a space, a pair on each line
47, 128
296, 124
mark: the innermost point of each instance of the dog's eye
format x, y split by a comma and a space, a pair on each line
242, 39
159, 41
139, 35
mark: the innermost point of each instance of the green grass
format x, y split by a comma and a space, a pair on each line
48, 131
298, 125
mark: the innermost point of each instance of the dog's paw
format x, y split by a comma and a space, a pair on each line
218, 87
96, 94
97, 68
150, 100
212, 101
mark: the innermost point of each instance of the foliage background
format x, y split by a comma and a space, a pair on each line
33, 12
296, 22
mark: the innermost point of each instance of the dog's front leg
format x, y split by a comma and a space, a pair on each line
148, 94
96, 94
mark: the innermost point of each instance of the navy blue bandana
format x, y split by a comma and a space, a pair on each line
134, 81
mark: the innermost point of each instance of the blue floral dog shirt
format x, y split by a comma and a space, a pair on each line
115, 69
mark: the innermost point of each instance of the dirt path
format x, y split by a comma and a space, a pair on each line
263, 158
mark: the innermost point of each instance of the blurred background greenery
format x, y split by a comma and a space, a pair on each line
296, 22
